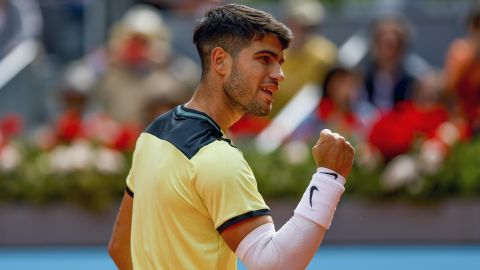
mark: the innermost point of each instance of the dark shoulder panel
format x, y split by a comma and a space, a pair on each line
189, 130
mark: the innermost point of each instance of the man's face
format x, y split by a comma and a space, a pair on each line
255, 75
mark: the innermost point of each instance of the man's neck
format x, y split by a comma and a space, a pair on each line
213, 101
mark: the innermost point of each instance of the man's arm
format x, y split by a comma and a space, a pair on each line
293, 246
119, 246
234, 234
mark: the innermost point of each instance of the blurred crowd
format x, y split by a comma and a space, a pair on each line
393, 114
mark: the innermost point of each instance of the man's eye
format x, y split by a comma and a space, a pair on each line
265, 59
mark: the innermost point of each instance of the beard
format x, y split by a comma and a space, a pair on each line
241, 97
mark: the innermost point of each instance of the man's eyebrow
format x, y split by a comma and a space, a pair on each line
273, 54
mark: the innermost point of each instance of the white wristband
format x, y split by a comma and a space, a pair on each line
320, 200
334, 175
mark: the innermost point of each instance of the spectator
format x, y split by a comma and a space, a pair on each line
339, 109
462, 73
387, 81
142, 69
75, 104
78, 119
396, 132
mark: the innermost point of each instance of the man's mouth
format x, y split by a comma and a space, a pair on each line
267, 91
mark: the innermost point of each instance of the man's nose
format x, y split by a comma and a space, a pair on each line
277, 74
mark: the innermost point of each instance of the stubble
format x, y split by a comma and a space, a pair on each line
241, 97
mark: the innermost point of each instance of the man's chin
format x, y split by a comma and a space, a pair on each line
262, 112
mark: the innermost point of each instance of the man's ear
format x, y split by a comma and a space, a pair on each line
220, 61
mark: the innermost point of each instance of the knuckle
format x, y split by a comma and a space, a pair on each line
327, 138
338, 137
325, 131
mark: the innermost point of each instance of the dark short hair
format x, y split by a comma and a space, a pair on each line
232, 27
334, 72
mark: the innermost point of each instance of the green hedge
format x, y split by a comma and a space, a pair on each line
34, 180
278, 176
459, 176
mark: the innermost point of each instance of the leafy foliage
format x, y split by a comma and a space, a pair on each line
34, 179
458, 177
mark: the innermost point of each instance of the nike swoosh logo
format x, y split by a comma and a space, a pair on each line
312, 189
335, 176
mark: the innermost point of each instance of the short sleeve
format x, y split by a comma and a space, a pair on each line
227, 186
130, 179
129, 182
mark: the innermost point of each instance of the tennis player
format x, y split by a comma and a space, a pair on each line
192, 200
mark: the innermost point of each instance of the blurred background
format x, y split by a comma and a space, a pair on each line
80, 79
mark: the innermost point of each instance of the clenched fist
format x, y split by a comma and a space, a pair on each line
332, 151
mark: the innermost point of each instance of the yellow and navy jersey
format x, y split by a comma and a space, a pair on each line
189, 184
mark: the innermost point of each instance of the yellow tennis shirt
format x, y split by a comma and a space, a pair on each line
189, 184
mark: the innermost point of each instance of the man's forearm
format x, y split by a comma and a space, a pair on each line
294, 245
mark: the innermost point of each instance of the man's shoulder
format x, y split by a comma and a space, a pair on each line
222, 159
221, 151
189, 131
